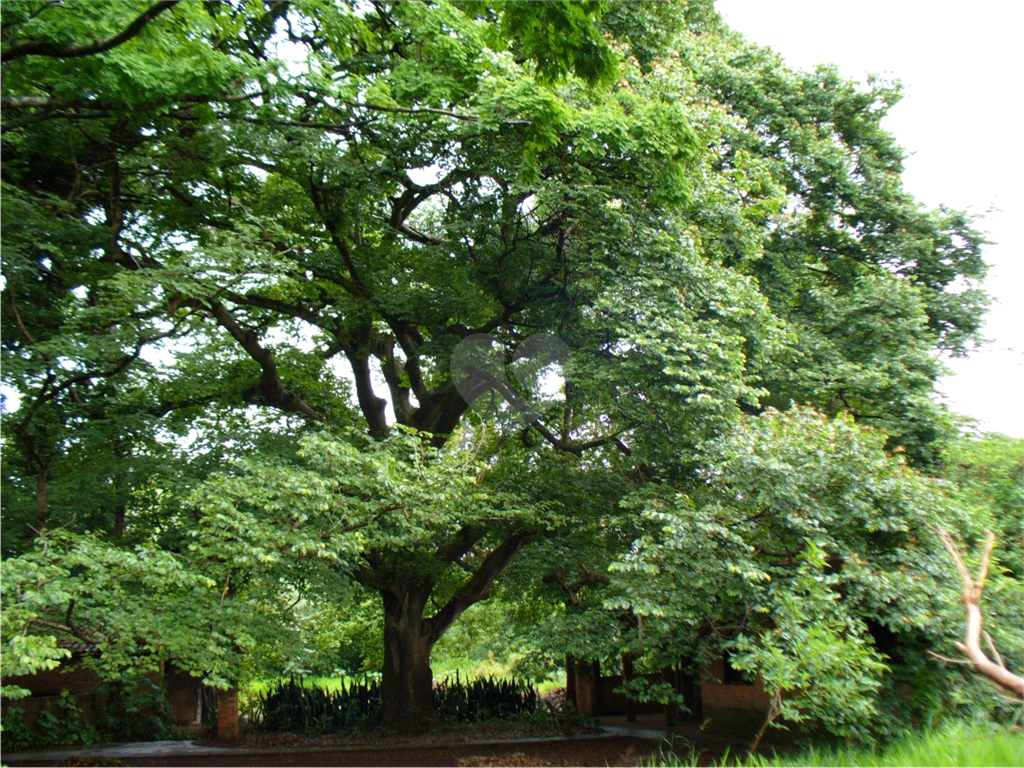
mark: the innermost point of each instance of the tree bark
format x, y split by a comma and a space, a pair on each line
570, 679
407, 692
973, 588
120, 514
34, 48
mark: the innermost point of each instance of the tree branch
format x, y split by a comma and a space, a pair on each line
463, 541
33, 48
47, 102
578, 448
80, 634
269, 387
17, 318
392, 370
973, 588
371, 575
373, 407
354, 284
403, 206
417, 236
588, 577
478, 587
409, 339
299, 311
431, 111
995, 652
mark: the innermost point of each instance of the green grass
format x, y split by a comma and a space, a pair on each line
961, 744
491, 666
469, 670
256, 688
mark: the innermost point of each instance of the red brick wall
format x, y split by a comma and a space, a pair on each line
716, 695
227, 716
46, 687
70, 675
88, 703
181, 691
615, 703
732, 709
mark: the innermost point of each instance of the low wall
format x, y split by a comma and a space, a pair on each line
182, 691
731, 706
720, 700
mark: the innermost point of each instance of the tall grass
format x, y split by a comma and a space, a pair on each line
960, 744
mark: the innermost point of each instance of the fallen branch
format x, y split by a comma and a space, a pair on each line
971, 647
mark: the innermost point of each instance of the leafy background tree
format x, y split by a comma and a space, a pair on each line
242, 243
988, 468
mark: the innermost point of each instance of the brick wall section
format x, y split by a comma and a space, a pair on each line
89, 704
69, 675
227, 716
717, 695
616, 703
710, 699
182, 692
181, 689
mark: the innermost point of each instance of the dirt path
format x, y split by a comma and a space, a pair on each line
584, 751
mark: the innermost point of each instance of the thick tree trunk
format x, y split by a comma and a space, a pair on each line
407, 685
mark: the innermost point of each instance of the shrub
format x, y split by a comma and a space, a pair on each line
294, 707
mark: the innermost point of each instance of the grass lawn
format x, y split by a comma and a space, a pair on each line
961, 744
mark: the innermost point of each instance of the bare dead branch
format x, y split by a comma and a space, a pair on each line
947, 660
973, 588
992, 647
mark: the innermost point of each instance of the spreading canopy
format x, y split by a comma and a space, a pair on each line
244, 242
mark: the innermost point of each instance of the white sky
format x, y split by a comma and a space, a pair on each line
960, 64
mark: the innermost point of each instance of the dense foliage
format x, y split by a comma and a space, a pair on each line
989, 469
244, 242
295, 707
133, 710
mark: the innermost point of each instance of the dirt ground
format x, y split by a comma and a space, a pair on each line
580, 751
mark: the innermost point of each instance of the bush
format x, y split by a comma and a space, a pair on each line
56, 727
485, 698
136, 710
294, 707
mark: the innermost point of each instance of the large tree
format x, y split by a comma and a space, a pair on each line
266, 226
